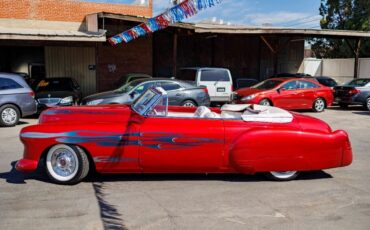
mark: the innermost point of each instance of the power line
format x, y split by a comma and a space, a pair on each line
295, 20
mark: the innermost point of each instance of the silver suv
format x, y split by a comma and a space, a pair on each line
16, 99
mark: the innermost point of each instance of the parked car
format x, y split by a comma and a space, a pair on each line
179, 92
217, 80
245, 83
327, 81
355, 92
141, 138
287, 93
51, 92
16, 99
132, 77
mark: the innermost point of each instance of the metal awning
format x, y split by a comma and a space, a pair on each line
51, 35
241, 29
232, 29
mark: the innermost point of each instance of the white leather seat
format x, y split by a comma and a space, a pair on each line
201, 111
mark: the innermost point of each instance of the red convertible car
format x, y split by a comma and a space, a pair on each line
150, 137
288, 93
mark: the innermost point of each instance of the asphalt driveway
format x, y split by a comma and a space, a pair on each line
331, 199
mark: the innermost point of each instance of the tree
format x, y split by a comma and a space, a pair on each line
343, 15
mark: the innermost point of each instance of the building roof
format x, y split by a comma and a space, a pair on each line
50, 34
235, 29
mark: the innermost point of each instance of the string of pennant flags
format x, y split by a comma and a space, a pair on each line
173, 15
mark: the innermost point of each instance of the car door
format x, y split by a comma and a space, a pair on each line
181, 144
287, 95
174, 92
307, 94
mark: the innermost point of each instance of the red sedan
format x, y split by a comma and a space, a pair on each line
150, 137
288, 93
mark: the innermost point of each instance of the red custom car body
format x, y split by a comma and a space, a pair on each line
122, 139
288, 93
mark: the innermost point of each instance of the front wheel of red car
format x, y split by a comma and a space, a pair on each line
282, 176
66, 164
319, 105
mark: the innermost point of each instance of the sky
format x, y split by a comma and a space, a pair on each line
280, 13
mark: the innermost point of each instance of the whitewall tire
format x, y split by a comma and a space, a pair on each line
66, 164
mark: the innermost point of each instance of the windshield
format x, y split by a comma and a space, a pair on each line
359, 82
327, 82
61, 84
128, 87
268, 84
154, 103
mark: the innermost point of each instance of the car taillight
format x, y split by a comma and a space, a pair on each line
354, 91
232, 88
205, 89
32, 94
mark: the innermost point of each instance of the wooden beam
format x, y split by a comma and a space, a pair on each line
268, 44
174, 55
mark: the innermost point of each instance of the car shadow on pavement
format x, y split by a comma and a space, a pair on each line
15, 177
367, 113
259, 177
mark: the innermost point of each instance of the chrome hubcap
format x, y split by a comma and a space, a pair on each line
9, 116
319, 105
63, 162
368, 104
189, 104
284, 174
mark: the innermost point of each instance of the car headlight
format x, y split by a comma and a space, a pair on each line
248, 98
94, 102
67, 100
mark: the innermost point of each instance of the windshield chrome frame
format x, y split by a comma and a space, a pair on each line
160, 93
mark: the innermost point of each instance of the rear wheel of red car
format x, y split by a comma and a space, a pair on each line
319, 105
9, 115
265, 102
66, 164
282, 176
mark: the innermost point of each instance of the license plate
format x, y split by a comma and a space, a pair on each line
220, 89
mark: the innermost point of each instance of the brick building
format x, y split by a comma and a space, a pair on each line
50, 38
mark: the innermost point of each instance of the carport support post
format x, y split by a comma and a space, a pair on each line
356, 52
174, 55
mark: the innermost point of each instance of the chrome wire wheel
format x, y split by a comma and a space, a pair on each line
62, 163
282, 175
319, 105
9, 116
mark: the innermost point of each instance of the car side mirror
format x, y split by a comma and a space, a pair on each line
281, 89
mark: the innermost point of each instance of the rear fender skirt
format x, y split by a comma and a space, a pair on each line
288, 150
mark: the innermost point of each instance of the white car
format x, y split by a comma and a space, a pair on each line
217, 80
